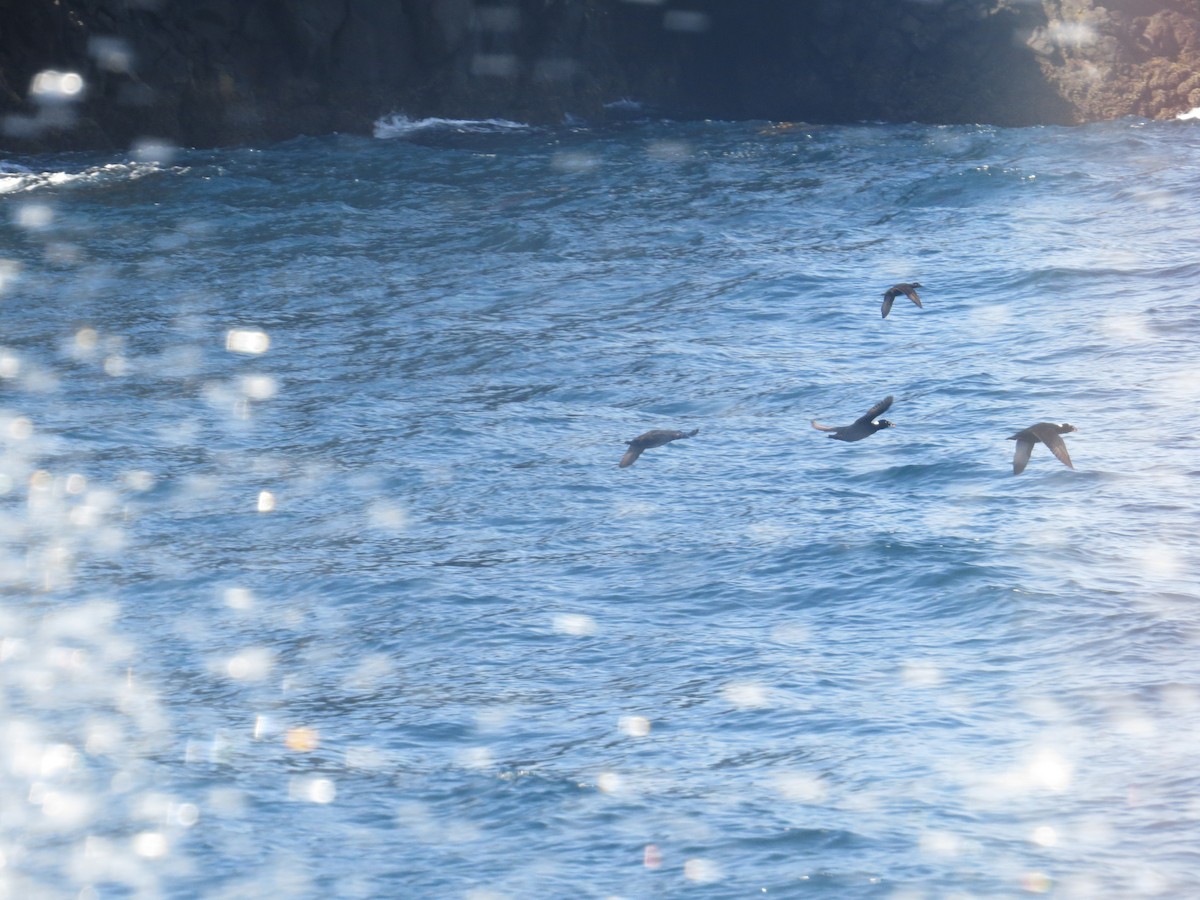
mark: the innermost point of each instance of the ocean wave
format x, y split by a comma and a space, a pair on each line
398, 540
398, 125
15, 178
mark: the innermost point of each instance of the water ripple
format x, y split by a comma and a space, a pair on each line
392, 620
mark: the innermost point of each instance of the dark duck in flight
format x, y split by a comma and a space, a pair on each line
1046, 433
863, 426
905, 288
651, 439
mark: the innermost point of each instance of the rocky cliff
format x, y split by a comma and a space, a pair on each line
1125, 58
108, 73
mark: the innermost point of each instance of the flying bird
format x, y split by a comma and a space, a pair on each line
908, 290
651, 439
863, 426
1044, 432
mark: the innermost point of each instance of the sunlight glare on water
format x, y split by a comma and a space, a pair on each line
321, 577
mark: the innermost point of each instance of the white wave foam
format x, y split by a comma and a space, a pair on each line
626, 105
1190, 114
399, 125
15, 178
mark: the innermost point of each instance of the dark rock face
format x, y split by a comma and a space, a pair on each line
212, 72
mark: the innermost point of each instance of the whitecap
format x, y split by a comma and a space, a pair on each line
625, 105
15, 178
400, 125
1190, 114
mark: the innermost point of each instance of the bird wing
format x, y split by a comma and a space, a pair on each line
888, 299
1057, 445
912, 295
877, 410
630, 456
817, 425
1021, 455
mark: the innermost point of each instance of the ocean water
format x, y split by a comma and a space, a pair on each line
320, 578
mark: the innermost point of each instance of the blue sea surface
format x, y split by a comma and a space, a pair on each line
320, 579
